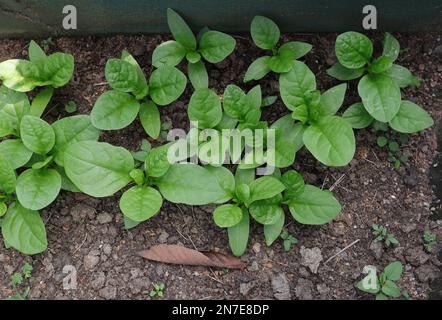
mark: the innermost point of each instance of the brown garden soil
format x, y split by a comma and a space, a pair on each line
89, 233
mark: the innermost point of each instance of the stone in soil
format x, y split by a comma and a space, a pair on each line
311, 258
304, 289
281, 287
377, 248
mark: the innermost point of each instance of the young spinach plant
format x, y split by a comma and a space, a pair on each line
265, 34
132, 95
18, 279
384, 286
381, 235
54, 70
212, 46
429, 240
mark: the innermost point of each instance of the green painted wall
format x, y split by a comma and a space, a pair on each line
42, 18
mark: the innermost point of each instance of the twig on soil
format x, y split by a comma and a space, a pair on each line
341, 251
369, 161
337, 182
100, 84
81, 245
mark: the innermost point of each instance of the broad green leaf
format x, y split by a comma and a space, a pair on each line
13, 105
257, 69
264, 188
301, 113
215, 46
342, 73
126, 56
239, 235
245, 176
114, 110
234, 101
140, 203
169, 54
180, 30
268, 101
282, 62
254, 97
227, 215
391, 289
19, 75
36, 53
295, 84
411, 118
6, 127
357, 116
370, 287
381, 296
36, 189
225, 179
242, 192
98, 169
314, 206
57, 69
273, 231
7, 175
402, 76
198, 76
297, 48
123, 76
265, 33
157, 162
37, 135
66, 183
193, 57
70, 130
288, 140
3, 209
394, 271
380, 95
294, 184
42, 164
205, 107
40, 102
331, 140
353, 49
15, 152
391, 46
166, 85
129, 223
24, 230
190, 184
332, 99
380, 64
150, 119
265, 213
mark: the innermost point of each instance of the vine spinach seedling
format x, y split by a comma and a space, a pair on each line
429, 240
385, 285
212, 46
18, 279
381, 235
132, 95
54, 70
265, 34
288, 241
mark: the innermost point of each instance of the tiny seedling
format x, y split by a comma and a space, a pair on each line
158, 290
384, 286
288, 240
429, 240
70, 107
381, 235
266, 34
46, 43
18, 279
392, 141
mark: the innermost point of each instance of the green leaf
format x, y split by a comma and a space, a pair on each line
225, 179
381, 296
380, 95
265, 33
239, 235
342, 73
288, 140
227, 215
215, 46
258, 69
360, 285
391, 289
36, 53
294, 184
24, 230
264, 188
234, 101
13, 106
273, 231
16, 152
7, 175
297, 48
114, 110
36, 189
3, 209
37, 135
244, 176
268, 101
157, 163
190, 184
193, 57
391, 46
314, 206
66, 183
124, 76
380, 64
295, 84
205, 107
242, 192
266, 213
42, 164
70, 130
411, 118
57, 69
169, 54
331, 140
381, 141
394, 271
357, 116
402, 76
18, 75
180, 30
282, 62
130, 224
353, 49
254, 97
40, 102
166, 84
140, 203
198, 75
6, 127
98, 169
332, 99
150, 119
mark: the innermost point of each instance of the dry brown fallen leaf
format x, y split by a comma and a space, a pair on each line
175, 254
